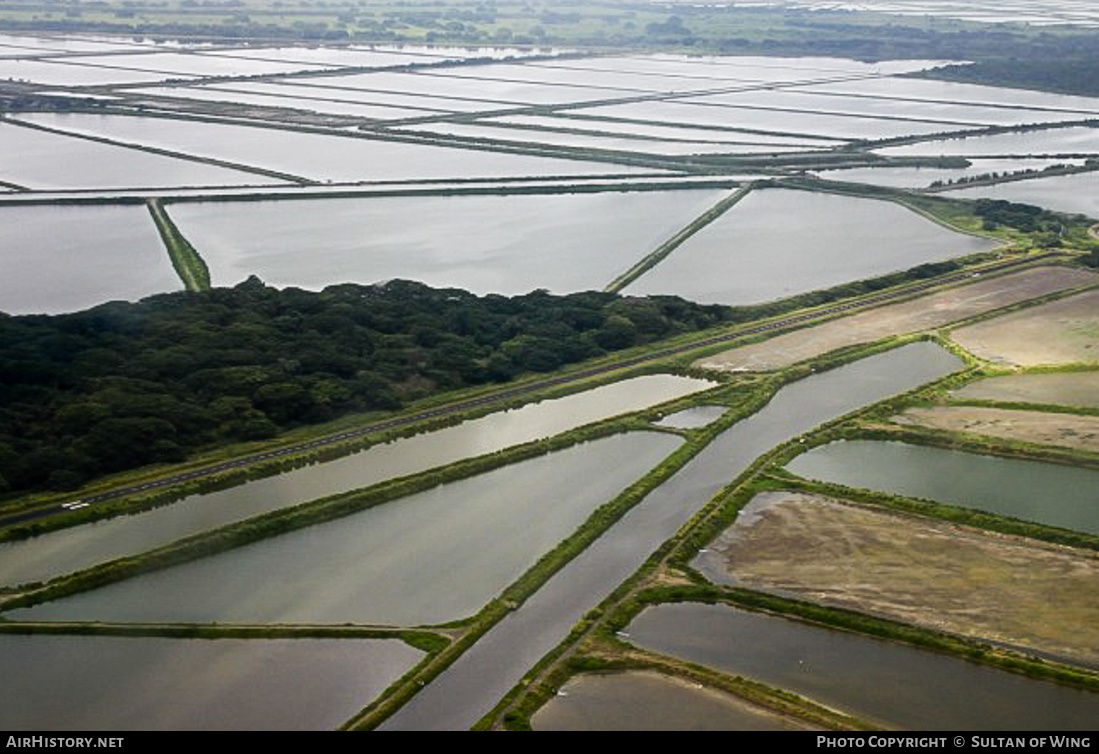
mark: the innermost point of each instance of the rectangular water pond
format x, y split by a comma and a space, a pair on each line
1046, 493
154, 683
315, 156
57, 259
432, 557
891, 684
778, 243
508, 244
66, 550
47, 161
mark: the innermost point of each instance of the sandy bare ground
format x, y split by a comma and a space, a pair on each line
1055, 388
1068, 430
1059, 332
923, 313
957, 579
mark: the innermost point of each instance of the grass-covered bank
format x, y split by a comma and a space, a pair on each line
188, 264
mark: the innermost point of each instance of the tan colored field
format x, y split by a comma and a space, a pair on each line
1056, 388
1069, 430
923, 571
1059, 332
923, 313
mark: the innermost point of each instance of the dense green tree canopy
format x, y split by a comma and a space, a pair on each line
124, 385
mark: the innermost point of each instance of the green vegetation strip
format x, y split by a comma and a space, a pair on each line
188, 264
428, 641
666, 248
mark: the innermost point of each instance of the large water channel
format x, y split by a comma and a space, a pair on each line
1047, 493
473, 684
67, 550
890, 684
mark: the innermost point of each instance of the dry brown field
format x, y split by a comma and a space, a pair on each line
922, 313
1060, 332
1054, 388
1067, 430
1012, 590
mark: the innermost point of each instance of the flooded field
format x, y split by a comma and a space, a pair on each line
1042, 427
650, 701
318, 157
921, 313
702, 112
1008, 590
414, 125
923, 177
317, 95
1063, 331
904, 89
755, 252
1073, 194
891, 684
511, 244
947, 114
1053, 141
432, 557
65, 550
646, 146
1063, 388
1046, 493
473, 684
147, 683
725, 135
63, 259
314, 104
46, 161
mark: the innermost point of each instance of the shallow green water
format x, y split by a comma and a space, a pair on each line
1046, 493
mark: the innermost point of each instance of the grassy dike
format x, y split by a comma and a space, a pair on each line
190, 267
663, 250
